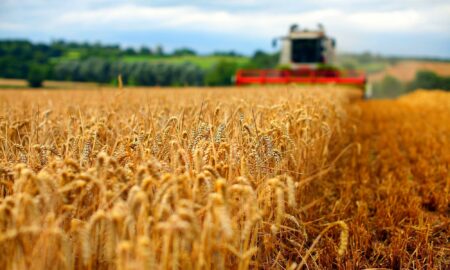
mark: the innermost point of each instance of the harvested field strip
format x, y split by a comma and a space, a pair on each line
396, 191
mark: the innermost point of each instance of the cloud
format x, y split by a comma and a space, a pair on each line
356, 24
391, 21
12, 26
245, 23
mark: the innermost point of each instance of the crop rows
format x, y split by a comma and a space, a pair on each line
182, 179
276, 178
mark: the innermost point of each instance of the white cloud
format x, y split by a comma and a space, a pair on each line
246, 23
357, 24
12, 26
391, 21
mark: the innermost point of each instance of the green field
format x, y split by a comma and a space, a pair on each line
206, 61
203, 61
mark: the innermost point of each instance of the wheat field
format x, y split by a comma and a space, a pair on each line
256, 178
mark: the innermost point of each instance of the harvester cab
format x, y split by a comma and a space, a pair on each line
306, 57
306, 49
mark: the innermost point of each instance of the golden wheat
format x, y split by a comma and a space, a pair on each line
198, 179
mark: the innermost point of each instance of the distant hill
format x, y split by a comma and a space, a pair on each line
406, 70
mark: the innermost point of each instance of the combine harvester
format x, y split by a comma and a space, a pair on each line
306, 58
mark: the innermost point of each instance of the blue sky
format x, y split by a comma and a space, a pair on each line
400, 27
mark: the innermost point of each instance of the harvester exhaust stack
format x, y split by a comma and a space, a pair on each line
306, 57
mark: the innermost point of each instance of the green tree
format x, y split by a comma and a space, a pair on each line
221, 73
429, 80
183, 52
227, 53
261, 59
159, 50
145, 51
36, 75
129, 51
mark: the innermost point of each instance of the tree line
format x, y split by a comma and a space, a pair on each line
100, 63
134, 73
95, 62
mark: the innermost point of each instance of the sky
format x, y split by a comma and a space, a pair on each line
388, 27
